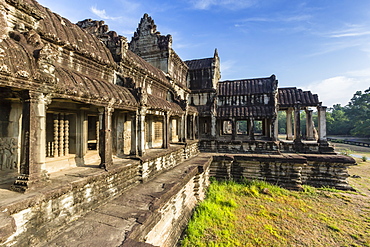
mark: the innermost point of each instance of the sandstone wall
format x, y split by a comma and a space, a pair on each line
38, 216
288, 170
171, 211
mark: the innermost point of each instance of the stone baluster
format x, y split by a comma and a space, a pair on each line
61, 135
49, 149
66, 136
56, 135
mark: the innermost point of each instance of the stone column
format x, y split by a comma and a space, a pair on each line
183, 130
166, 130
233, 129
141, 131
322, 124
186, 127
251, 129
289, 129
105, 138
275, 128
213, 126
297, 124
309, 125
33, 150
82, 137
264, 128
194, 127
134, 133
268, 128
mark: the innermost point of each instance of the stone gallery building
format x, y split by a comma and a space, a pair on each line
81, 96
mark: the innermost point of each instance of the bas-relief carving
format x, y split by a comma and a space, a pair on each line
8, 153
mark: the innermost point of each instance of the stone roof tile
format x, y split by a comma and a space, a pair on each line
289, 97
247, 86
199, 63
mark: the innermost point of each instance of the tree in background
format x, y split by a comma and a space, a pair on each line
358, 112
352, 119
337, 121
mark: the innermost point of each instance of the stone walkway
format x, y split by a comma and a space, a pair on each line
109, 224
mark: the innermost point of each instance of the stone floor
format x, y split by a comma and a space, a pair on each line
108, 224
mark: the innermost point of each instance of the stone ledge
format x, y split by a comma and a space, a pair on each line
61, 184
7, 226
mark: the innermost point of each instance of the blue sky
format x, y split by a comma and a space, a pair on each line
317, 45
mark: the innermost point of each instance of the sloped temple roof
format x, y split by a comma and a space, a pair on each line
249, 98
290, 97
19, 63
199, 63
248, 86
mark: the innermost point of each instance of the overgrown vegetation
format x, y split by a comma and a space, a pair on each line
256, 213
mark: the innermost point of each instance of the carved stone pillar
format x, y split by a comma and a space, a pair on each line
82, 137
184, 123
289, 129
33, 150
134, 134
105, 140
268, 128
321, 110
213, 126
297, 124
275, 129
251, 129
309, 126
194, 130
166, 130
141, 132
233, 129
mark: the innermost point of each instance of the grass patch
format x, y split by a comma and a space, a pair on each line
256, 213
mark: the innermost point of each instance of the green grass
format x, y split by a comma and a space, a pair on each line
256, 213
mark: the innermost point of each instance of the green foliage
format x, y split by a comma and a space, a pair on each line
337, 121
358, 110
214, 218
352, 119
256, 213
309, 190
282, 122
364, 158
346, 152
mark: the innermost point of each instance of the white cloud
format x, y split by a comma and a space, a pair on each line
293, 18
230, 4
102, 14
351, 30
337, 90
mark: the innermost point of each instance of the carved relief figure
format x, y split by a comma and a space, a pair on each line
8, 153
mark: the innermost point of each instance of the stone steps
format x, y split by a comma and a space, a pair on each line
155, 212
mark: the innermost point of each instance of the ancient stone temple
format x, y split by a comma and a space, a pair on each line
86, 115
